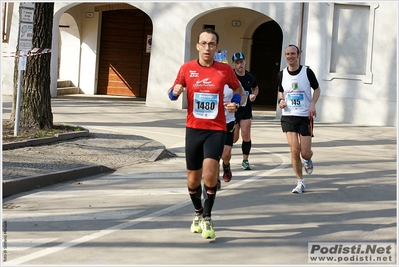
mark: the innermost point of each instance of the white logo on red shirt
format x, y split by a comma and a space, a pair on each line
204, 81
193, 73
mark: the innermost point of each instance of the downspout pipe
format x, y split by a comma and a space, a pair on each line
300, 27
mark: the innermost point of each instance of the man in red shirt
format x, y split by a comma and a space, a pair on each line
203, 80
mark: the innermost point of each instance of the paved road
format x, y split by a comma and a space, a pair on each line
140, 214
102, 150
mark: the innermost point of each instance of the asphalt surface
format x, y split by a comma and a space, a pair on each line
136, 209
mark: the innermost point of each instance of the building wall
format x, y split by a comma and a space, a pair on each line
9, 47
353, 56
354, 59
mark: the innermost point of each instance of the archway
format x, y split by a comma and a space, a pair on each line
257, 36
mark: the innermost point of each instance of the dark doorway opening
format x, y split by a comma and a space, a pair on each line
265, 63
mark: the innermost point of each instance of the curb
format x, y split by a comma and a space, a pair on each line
158, 154
24, 184
46, 140
16, 186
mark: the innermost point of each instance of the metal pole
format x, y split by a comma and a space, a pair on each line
18, 104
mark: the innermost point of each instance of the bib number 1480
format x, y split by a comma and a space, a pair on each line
206, 105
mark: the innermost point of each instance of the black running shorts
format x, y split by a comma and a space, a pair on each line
230, 133
243, 113
202, 144
296, 124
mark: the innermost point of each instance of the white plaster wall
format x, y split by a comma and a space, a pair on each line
167, 51
7, 63
70, 49
350, 100
89, 49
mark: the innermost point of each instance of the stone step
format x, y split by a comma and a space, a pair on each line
67, 90
65, 87
63, 83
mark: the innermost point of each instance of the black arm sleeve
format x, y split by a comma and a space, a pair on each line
280, 79
312, 79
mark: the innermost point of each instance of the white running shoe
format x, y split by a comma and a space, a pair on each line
300, 187
308, 165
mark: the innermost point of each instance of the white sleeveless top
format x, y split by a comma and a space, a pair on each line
297, 93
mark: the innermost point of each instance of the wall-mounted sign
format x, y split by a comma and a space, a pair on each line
27, 15
27, 4
25, 35
26, 31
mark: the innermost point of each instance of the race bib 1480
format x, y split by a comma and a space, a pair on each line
206, 105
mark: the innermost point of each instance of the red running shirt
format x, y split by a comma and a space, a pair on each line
204, 88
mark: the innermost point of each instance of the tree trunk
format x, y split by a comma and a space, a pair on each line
35, 110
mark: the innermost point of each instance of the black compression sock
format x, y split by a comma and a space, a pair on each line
246, 147
209, 199
195, 195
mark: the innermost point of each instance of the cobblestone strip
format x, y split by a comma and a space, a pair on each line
107, 149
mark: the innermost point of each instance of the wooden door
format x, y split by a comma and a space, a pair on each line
124, 62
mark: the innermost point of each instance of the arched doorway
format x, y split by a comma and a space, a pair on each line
124, 57
68, 50
265, 62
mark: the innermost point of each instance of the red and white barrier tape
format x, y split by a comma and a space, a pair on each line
33, 52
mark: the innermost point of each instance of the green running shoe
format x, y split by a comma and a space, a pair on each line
196, 225
245, 165
207, 228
